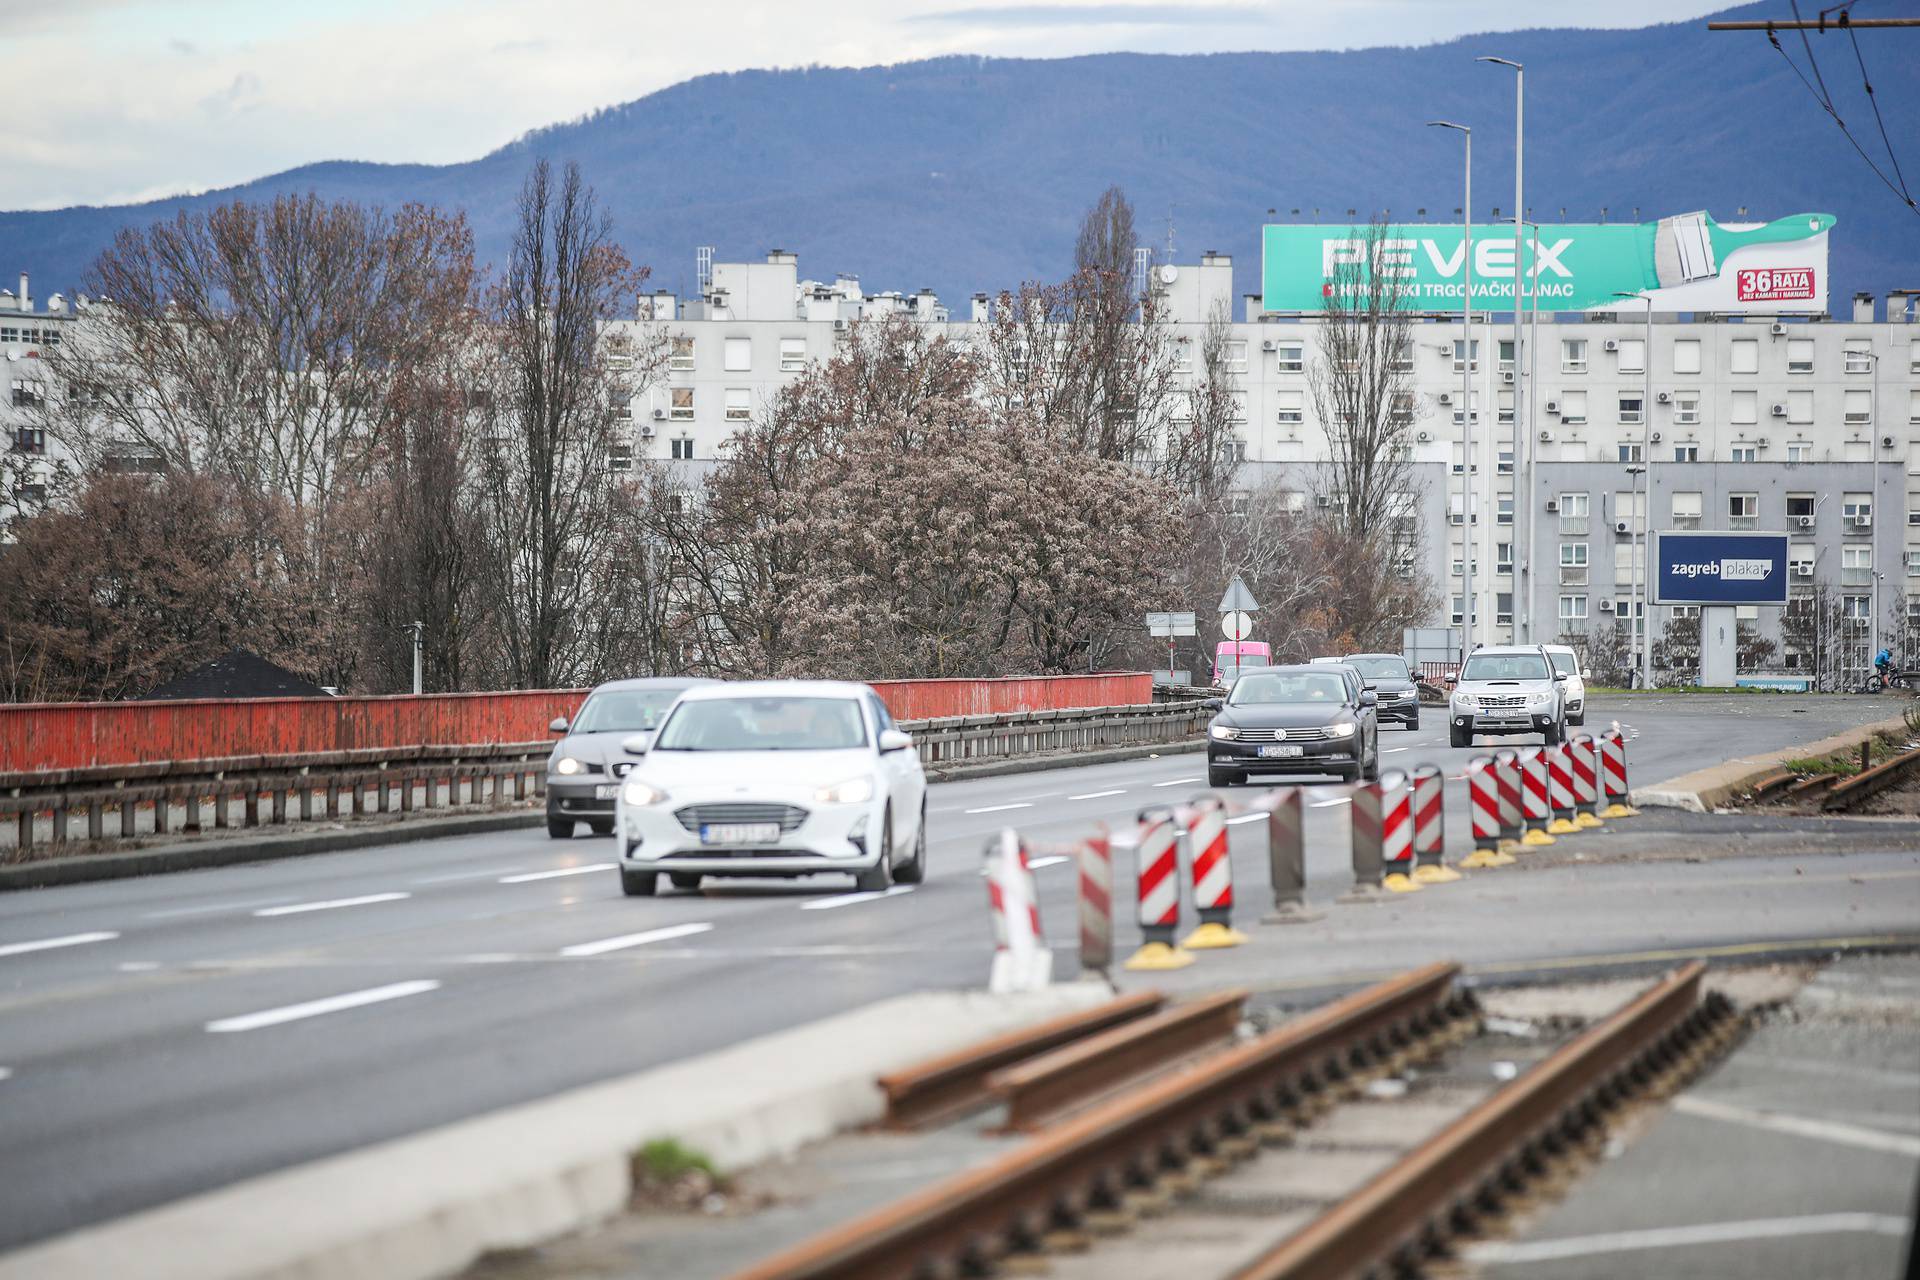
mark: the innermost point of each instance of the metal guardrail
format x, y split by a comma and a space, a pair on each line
266, 790
950, 740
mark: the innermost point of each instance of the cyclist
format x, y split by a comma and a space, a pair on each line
1883, 665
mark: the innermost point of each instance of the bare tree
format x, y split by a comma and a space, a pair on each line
1107, 241
1815, 627
1203, 451
543, 472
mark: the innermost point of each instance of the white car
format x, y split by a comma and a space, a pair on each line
1566, 662
774, 778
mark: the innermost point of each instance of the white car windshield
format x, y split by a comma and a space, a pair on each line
624, 710
1297, 686
764, 724
1380, 668
1505, 666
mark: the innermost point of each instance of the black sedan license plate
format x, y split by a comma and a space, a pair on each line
1281, 751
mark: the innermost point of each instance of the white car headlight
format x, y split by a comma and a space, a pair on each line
568, 765
1339, 731
1464, 701
1539, 699
636, 792
1224, 732
852, 791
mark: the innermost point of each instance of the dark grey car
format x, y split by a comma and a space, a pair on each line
594, 751
1295, 720
1391, 680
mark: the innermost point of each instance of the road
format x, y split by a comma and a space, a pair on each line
173, 1034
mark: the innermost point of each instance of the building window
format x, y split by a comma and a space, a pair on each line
1236, 354
680, 357
27, 395
1633, 355
1913, 404
619, 457
1573, 513
1503, 408
1799, 355
29, 440
1572, 609
1800, 407
1459, 463
1573, 355
1856, 511
1746, 453
1573, 564
1290, 357
1632, 410
1293, 502
682, 410
739, 404
1503, 464
793, 355
1506, 355
1573, 408
1401, 410
1459, 351
1503, 513
682, 448
1686, 408
1401, 359
737, 355
1686, 453
1686, 355
1233, 451
1503, 608
1292, 406
1503, 557
1856, 566
1686, 510
1800, 451
1858, 407
1800, 562
1459, 413
1630, 453
1238, 504
1745, 408
1859, 355
1743, 510
1744, 357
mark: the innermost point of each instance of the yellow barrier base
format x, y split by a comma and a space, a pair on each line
1158, 956
1561, 827
1436, 875
1535, 837
1401, 883
1487, 858
1618, 810
1587, 821
1212, 937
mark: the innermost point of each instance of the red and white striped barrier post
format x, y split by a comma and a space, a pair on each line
1096, 903
1560, 789
1287, 858
1586, 782
1364, 827
1613, 771
1212, 871
1021, 959
1506, 777
1429, 826
1483, 805
1396, 832
1535, 809
1158, 866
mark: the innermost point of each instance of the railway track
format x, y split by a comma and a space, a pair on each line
1364, 1138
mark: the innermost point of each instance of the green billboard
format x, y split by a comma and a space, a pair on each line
1687, 262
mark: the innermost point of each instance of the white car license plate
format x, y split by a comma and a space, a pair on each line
740, 833
1284, 752
605, 791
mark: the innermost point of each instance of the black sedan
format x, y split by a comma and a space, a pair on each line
1391, 680
1294, 720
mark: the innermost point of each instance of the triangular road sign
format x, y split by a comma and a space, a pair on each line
1238, 598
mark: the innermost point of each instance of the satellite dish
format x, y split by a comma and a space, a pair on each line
1169, 273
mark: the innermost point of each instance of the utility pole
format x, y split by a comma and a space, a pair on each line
1522, 607
419, 630
1467, 616
1644, 516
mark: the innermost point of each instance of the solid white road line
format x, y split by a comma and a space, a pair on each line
531, 876
299, 908
1174, 782
624, 941
1883, 1224
848, 899
49, 944
1000, 808
1847, 1135
332, 1004
1099, 795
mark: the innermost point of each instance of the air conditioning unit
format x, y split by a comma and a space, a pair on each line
1803, 568
1886, 442
1762, 443
1425, 437
1326, 500
1606, 606
1806, 522
646, 431
1663, 397
1654, 436
1546, 437
1507, 376
1779, 411
1611, 344
1622, 528
1863, 522
839, 326
659, 415
1268, 345
1445, 397
1553, 506
1778, 330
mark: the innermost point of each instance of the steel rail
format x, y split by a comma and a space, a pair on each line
1405, 1216
966, 1223
1042, 1089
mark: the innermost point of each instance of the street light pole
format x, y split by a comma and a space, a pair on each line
1645, 512
1468, 617
1522, 616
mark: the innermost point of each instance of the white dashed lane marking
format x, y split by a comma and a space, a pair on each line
626, 940
331, 904
50, 944
1000, 808
1099, 795
331, 1004
849, 899
530, 876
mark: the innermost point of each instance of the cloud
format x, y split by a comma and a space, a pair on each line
186, 48
1097, 15
242, 94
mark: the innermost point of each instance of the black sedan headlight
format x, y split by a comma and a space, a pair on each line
1223, 732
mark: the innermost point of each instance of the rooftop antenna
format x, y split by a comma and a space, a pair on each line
1169, 233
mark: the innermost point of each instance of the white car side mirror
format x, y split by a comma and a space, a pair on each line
636, 744
557, 725
894, 740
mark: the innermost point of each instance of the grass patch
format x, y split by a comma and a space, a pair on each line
667, 1160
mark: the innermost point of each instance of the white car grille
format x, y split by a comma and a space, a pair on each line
1502, 704
695, 816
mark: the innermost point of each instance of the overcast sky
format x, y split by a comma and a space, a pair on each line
114, 101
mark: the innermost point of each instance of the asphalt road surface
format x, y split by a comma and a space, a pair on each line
168, 1035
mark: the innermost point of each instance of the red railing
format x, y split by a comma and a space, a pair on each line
73, 735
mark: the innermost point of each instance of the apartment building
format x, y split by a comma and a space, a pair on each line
25, 335
1808, 424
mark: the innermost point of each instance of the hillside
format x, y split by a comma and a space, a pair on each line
969, 174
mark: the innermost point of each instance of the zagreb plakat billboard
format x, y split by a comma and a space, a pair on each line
1687, 262
1698, 567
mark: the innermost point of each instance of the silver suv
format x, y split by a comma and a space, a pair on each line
1507, 689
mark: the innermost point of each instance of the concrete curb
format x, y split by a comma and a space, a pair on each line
1036, 764
1705, 790
430, 1204
217, 852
